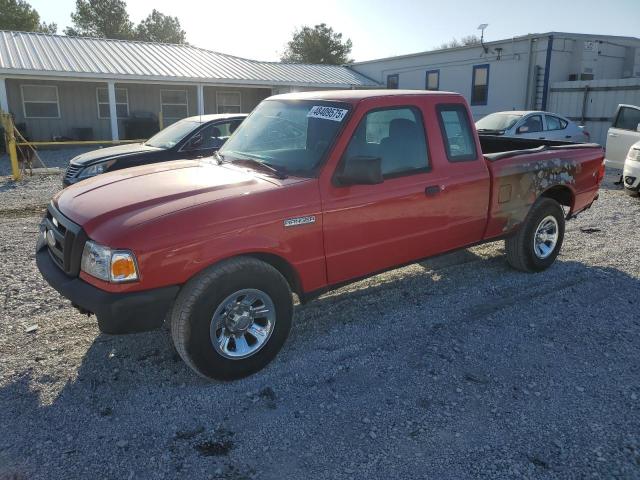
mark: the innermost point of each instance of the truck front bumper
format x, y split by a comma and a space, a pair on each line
117, 313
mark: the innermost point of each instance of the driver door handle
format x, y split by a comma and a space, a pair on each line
432, 190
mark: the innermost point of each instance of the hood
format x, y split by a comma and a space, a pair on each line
110, 153
129, 197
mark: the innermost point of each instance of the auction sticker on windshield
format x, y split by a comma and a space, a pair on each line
327, 113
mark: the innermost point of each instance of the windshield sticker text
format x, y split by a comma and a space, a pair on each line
327, 113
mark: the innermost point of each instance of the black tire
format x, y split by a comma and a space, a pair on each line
194, 308
520, 246
632, 193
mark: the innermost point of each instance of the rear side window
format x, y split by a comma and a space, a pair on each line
627, 119
396, 135
555, 123
456, 130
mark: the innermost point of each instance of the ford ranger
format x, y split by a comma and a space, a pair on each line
312, 191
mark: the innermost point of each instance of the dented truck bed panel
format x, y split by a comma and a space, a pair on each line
518, 180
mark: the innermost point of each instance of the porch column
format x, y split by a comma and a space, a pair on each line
4, 102
200, 99
113, 112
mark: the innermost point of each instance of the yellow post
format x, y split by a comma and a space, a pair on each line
10, 143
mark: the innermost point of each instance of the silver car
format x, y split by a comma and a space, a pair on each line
532, 124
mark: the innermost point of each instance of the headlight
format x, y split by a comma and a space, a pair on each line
95, 169
114, 266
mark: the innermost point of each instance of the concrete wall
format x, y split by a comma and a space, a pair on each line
79, 108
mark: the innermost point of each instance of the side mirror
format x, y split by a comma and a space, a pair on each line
522, 129
361, 170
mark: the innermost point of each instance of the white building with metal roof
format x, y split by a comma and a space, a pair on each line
68, 87
510, 74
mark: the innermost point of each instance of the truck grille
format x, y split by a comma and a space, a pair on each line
65, 240
72, 171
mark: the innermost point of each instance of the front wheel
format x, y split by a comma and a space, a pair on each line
536, 244
231, 320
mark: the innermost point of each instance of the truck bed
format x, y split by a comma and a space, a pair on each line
496, 147
522, 170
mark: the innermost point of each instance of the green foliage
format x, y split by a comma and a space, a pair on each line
110, 19
101, 18
319, 44
158, 27
19, 15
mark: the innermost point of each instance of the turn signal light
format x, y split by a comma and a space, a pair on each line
123, 267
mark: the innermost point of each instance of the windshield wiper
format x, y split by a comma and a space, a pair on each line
219, 157
278, 173
267, 166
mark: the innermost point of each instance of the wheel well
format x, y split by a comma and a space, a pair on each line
561, 194
284, 267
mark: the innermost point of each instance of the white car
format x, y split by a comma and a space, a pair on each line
532, 124
624, 132
631, 173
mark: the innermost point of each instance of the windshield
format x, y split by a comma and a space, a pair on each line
498, 121
168, 137
290, 135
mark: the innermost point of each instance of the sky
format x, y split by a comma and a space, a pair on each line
260, 29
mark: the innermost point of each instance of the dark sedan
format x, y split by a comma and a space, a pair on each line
191, 137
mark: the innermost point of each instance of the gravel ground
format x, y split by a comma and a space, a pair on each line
457, 367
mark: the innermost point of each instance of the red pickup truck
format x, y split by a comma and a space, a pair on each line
312, 191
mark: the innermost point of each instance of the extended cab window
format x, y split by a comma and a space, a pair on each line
456, 130
396, 136
628, 118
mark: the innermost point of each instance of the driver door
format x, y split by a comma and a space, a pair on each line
368, 228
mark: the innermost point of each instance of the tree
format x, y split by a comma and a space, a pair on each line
158, 27
101, 18
319, 44
454, 42
19, 15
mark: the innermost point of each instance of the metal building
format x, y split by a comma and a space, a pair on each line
511, 74
91, 88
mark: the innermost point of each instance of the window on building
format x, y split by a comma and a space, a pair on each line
555, 123
628, 118
395, 135
228, 102
173, 105
456, 130
393, 81
432, 81
480, 85
40, 101
122, 102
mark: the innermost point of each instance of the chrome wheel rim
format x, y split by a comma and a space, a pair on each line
242, 324
546, 237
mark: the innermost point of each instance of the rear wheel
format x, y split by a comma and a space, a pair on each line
536, 244
232, 320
